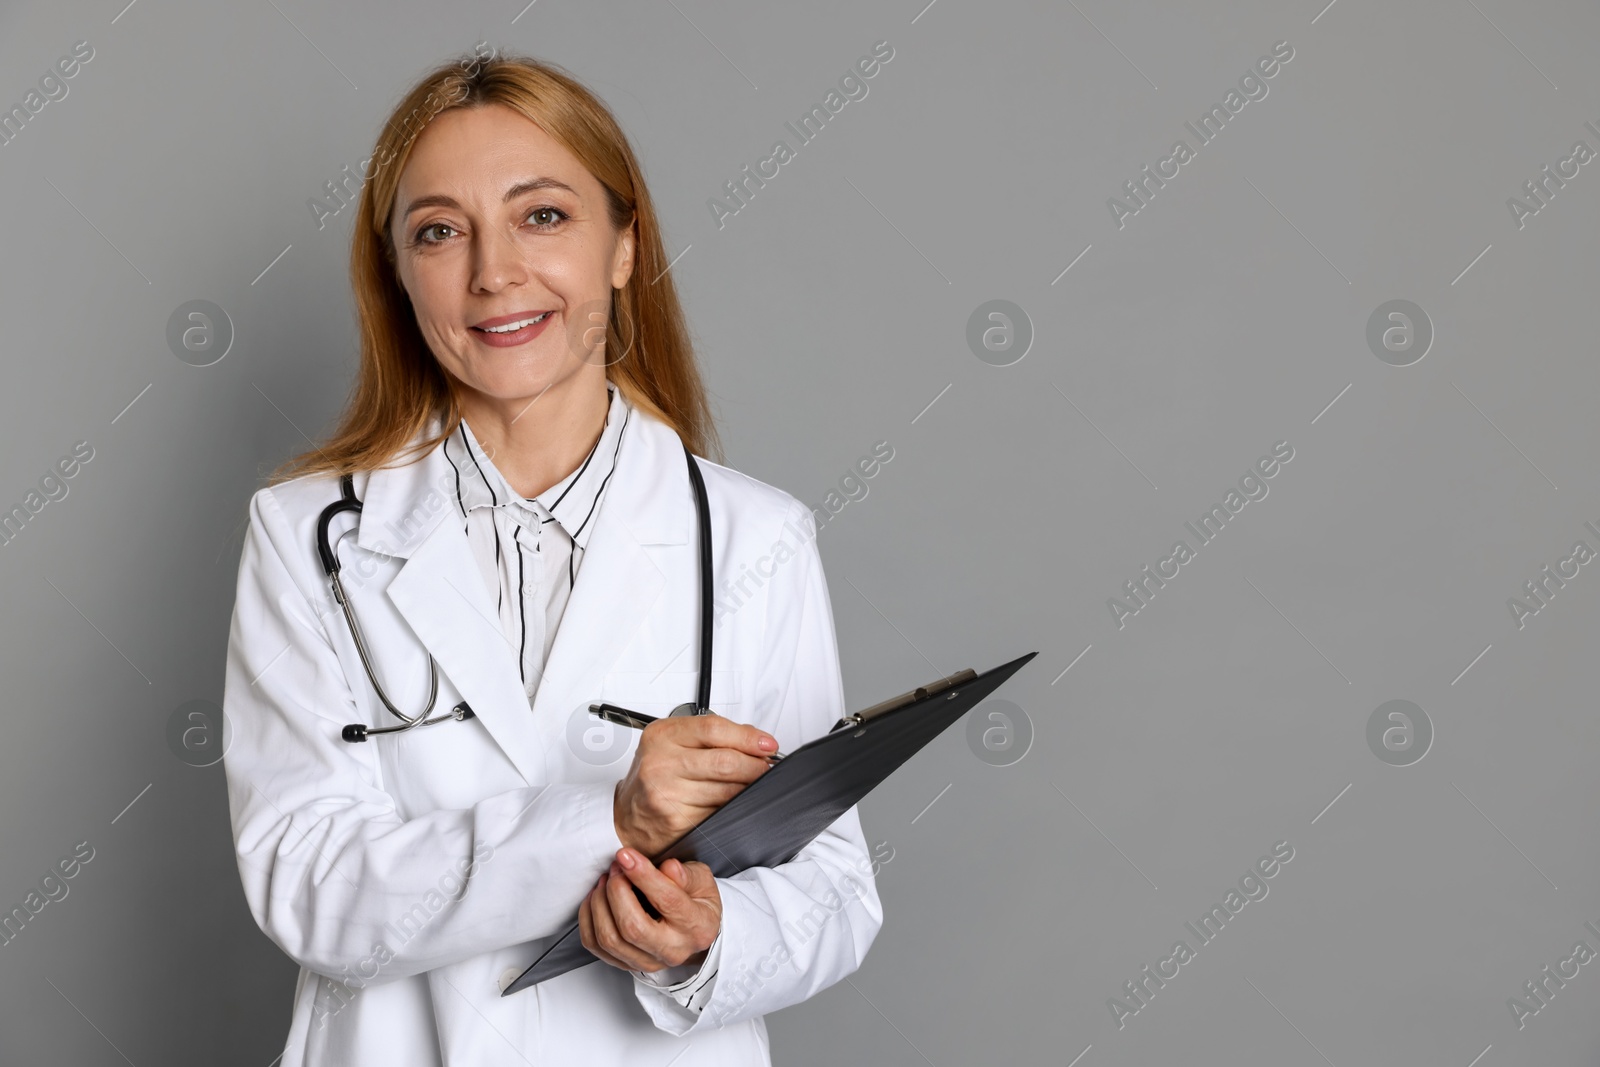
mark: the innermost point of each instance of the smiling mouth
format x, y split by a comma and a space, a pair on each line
513, 327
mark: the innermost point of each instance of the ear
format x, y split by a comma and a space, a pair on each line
622, 260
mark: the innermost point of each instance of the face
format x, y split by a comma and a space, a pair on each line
494, 224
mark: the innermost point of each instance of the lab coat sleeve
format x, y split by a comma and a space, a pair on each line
790, 931
689, 985
332, 873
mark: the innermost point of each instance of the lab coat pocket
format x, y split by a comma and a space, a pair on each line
658, 692
444, 765
597, 750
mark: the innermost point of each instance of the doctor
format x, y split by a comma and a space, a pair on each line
527, 543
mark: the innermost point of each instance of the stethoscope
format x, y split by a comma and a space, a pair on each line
356, 732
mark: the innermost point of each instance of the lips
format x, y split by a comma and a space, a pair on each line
504, 324
511, 331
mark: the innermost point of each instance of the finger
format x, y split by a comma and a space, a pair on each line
607, 934
694, 877
586, 929
701, 886
698, 924
663, 940
664, 893
597, 904
696, 874
716, 731
721, 765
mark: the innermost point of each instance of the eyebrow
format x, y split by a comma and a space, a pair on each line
528, 186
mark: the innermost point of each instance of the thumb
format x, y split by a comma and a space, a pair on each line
674, 870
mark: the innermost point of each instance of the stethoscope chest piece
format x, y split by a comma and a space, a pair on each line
358, 731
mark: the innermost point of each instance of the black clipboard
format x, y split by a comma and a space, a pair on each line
784, 810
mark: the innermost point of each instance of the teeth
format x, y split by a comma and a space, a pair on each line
511, 327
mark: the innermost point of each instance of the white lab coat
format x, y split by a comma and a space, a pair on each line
354, 856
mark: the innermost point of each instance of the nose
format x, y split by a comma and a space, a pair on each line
497, 261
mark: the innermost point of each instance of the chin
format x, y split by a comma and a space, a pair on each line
522, 375
507, 392
522, 384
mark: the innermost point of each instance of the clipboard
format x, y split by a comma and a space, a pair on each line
788, 807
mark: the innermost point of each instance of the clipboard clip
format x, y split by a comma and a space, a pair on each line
921, 692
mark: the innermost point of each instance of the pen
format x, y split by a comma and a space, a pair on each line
638, 720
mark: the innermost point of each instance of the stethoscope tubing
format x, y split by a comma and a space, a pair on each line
327, 553
703, 692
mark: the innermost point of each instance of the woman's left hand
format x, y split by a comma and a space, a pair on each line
616, 928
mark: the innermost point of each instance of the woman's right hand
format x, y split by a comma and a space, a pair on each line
685, 768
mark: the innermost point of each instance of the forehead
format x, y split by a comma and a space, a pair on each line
481, 151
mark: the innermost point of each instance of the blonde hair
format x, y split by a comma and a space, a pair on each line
400, 387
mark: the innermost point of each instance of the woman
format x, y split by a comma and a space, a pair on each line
517, 438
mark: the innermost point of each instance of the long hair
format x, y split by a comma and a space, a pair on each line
400, 387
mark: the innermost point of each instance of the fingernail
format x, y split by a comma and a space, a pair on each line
769, 744
627, 859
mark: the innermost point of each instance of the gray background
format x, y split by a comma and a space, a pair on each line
830, 313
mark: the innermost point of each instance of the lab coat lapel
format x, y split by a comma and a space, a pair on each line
441, 594
646, 506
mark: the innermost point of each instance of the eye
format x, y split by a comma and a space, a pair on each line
553, 212
421, 239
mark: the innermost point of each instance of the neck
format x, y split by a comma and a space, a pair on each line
537, 441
